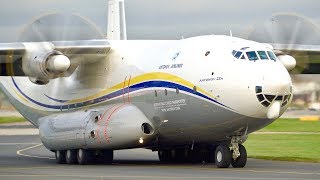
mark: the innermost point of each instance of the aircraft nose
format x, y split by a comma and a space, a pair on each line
277, 83
275, 93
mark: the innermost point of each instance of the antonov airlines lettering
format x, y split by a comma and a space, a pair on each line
192, 100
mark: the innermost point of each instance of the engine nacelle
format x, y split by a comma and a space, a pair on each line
42, 63
288, 61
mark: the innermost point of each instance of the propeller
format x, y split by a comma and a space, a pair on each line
289, 30
56, 26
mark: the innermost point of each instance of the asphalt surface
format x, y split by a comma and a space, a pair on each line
24, 157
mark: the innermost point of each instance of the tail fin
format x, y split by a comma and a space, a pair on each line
116, 20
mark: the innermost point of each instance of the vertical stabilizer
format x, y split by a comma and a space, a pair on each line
116, 20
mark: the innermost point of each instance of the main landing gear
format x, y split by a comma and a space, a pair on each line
222, 155
83, 156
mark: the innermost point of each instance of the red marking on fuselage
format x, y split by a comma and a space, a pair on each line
107, 122
99, 123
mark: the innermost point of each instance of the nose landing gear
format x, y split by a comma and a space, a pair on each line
237, 156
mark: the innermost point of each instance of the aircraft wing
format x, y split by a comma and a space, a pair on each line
23, 59
67, 47
307, 57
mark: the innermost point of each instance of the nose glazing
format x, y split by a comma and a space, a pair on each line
267, 98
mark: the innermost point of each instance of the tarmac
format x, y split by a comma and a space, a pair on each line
22, 156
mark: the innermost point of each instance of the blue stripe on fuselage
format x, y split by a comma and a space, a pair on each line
133, 88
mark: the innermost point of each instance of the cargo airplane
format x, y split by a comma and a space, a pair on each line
192, 100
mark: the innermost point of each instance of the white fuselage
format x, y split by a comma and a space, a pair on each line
157, 74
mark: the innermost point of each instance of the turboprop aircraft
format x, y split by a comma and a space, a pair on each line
192, 100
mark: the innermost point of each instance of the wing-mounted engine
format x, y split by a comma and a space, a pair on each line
42, 63
289, 62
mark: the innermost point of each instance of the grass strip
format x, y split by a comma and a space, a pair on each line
292, 125
11, 119
300, 148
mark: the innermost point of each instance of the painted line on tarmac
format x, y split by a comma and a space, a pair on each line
135, 177
19, 152
5, 144
248, 170
289, 133
19, 132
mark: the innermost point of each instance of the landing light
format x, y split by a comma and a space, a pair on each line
141, 141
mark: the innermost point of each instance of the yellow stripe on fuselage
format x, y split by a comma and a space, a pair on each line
21, 97
139, 79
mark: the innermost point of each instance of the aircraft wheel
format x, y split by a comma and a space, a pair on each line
107, 156
60, 156
84, 156
194, 156
180, 155
209, 156
223, 156
71, 156
241, 161
164, 156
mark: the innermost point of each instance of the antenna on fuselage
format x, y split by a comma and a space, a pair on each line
117, 29
231, 33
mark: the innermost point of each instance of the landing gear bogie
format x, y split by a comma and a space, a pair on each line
83, 156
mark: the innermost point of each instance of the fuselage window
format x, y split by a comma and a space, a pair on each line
263, 55
272, 55
252, 55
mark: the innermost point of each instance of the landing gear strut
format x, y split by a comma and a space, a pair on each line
239, 153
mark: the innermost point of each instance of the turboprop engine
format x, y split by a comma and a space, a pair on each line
288, 61
113, 127
42, 63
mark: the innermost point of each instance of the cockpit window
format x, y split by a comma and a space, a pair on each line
252, 55
272, 55
263, 55
238, 54
243, 57
234, 52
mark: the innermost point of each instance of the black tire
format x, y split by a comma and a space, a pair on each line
107, 156
223, 156
164, 156
84, 156
241, 161
60, 156
71, 156
194, 156
180, 155
210, 156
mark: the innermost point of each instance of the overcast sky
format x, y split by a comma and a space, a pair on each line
153, 19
